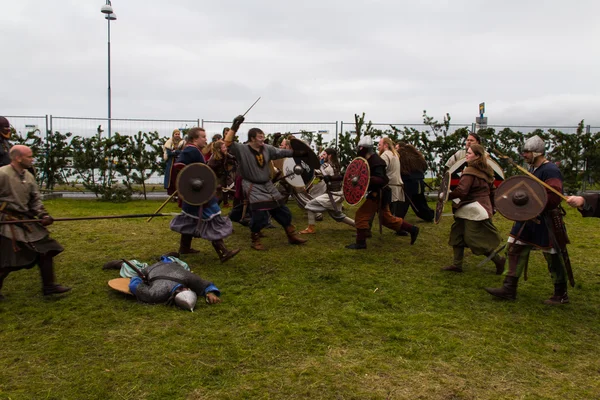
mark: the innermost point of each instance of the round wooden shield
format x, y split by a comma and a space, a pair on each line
457, 168
120, 285
520, 198
304, 180
442, 196
311, 159
356, 181
196, 184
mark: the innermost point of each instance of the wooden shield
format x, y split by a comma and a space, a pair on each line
303, 180
520, 198
196, 184
311, 159
120, 285
457, 168
442, 196
356, 181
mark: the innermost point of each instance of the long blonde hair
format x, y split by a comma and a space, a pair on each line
390, 144
217, 154
176, 142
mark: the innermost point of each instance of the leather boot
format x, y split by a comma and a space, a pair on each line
508, 291
499, 263
560, 295
47, 274
114, 264
368, 234
293, 238
222, 251
256, 244
361, 240
414, 232
2, 276
309, 230
459, 253
185, 245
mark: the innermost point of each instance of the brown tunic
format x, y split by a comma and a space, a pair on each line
20, 198
475, 185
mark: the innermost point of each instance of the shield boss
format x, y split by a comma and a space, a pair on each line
196, 184
312, 160
520, 198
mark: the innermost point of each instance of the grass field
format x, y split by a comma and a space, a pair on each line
315, 321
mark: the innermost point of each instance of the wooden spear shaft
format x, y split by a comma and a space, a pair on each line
39, 221
538, 180
162, 205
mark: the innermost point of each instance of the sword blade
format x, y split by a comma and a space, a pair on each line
492, 255
244, 114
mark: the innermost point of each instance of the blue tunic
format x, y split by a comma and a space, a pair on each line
533, 233
190, 155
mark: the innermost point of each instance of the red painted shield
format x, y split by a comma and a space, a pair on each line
356, 180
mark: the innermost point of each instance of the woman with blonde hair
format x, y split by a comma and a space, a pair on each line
473, 226
387, 151
171, 150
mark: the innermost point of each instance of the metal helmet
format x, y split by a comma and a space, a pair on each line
534, 144
365, 141
365, 146
186, 299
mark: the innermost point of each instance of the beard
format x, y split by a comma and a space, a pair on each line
362, 152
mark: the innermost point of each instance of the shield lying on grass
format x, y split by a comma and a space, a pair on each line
120, 285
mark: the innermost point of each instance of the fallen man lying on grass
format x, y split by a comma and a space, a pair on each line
169, 281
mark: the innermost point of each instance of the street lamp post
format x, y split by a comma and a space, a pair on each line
107, 10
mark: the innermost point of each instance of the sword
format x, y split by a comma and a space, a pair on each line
253, 104
333, 203
561, 251
492, 255
137, 271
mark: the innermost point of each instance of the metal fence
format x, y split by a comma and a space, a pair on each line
330, 131
88, 127
349, 127
29, 123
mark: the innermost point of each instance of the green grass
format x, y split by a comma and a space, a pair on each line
314, 321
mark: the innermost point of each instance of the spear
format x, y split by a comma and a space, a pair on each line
39, 221
162, 205
535, 178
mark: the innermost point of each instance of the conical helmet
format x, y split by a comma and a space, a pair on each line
534, 144
365, 141
186, 299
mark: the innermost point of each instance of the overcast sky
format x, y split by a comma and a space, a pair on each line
532, 62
